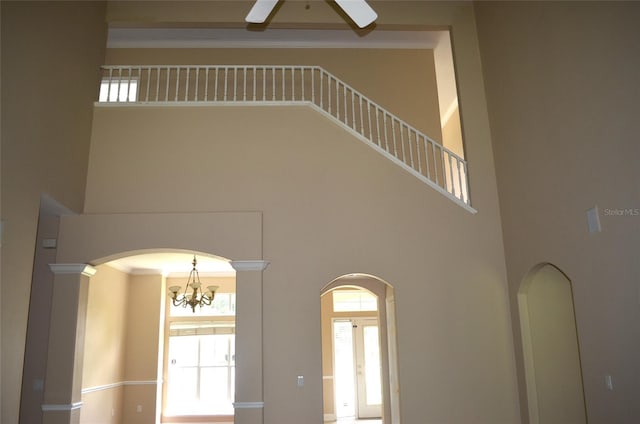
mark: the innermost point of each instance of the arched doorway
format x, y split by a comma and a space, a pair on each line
146, 358
87, 241
359, 357
550, 346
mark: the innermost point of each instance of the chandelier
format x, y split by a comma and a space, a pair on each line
196, 297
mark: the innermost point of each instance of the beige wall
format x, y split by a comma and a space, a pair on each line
45, 141
122, 342
454, 342
452, 134
144, 339
463, 313
562, 92
104, 347
339, 215
370, 71
107, 322
38, 326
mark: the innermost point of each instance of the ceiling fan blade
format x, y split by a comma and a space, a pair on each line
260, 11
359, 11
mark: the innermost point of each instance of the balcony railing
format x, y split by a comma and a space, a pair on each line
386, 133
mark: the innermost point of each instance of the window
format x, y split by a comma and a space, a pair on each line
199, 358
224, 304
354, 301
201, 368
118, 90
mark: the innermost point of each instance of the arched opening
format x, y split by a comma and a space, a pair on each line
147, 360
359, 356
82, 239
553, 373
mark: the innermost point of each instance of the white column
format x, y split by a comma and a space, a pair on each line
249, 381
63, 380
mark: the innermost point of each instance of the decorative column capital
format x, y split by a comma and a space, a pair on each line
79, 269
249, 265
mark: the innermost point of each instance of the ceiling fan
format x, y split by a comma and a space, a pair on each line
358, 10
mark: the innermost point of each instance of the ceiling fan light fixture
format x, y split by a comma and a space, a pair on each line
358, 10
260, 11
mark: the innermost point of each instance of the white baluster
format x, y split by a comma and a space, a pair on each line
313, 86
119, 82
166, 94
402, 146
244, 84
158, 74
187, 78
321, 75
226, 82
361, 117
146, 96
235, 83
375, 107
451, 186
369, 119
393, 132
109, 85
465, 180
293, 83
411, 150
264, 83
206, 84
386, 135
353, 112
344, 98
255, 77
435, 161
195, 96
337, 99
329, 93
215, 87
426, 156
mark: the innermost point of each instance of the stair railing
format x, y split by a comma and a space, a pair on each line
263, 84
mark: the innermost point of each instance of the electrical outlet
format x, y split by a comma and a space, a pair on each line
139, 408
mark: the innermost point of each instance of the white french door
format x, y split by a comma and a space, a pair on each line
358, 385
368, 380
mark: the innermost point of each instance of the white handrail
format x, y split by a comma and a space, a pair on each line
260, 84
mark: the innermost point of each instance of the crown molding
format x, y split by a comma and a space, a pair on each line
122, 38
61, 407
248, 405
82, 269
249, 265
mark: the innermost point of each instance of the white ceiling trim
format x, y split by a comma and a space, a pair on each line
268, 38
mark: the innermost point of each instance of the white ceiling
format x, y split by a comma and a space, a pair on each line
173, 264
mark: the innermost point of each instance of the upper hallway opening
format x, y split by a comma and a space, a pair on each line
394, 89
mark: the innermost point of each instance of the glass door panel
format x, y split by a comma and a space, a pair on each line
369, 385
